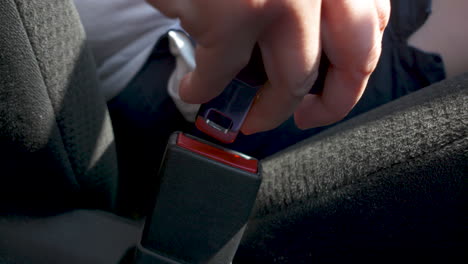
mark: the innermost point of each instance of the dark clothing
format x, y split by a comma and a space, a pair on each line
144, 115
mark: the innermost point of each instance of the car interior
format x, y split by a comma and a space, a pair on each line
385, 186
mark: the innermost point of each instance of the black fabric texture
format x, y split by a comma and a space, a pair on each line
406, 20
81, 236
56, 142
29, 137
389, 185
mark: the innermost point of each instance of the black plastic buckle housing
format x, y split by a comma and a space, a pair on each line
204, 201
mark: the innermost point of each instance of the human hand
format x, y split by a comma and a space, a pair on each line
291, 35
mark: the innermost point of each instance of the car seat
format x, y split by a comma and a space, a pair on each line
388, 185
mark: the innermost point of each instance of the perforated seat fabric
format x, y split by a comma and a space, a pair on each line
384, 185
390, 184
56, 140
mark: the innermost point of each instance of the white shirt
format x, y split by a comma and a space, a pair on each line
121, 35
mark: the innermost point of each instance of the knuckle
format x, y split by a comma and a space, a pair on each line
262, 10
383, 13
302, 88
252, 4
369, 64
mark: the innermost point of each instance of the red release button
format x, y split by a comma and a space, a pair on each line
223, 156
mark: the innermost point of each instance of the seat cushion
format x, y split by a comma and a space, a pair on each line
56, 140
389, 184
81, 236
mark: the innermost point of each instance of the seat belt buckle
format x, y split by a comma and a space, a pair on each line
222, 117
202, 205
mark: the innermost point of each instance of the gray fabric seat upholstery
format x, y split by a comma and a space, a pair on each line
390, 183
56, 139
387, 183
76, 237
